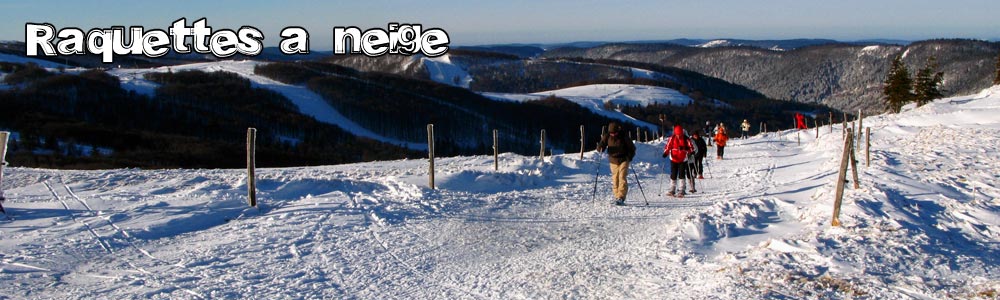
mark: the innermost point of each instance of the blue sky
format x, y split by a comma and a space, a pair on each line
517, 21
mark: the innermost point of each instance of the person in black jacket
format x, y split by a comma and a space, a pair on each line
621, 151
699, 158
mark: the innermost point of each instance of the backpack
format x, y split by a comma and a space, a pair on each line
694, 151
679, 149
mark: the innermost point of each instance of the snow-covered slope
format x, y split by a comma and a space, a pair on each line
443, 70
594, 96
923, 225
309, 103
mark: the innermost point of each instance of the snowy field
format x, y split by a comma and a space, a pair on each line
924, 225
594, 96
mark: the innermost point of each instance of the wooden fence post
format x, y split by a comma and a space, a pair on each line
541, 153
868, 147
861, 120
816, 123
582, 141
854, 166
841, 178
4, 135
798, 136
831, 121
496, 152
430, 153
251, 166
638, 134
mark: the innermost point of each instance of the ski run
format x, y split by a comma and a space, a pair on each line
923, 225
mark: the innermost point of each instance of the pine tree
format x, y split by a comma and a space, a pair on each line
898, 86
996, 80
925, 86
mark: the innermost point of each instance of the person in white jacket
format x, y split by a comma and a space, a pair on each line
746, 129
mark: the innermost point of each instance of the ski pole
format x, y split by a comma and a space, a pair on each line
639, 184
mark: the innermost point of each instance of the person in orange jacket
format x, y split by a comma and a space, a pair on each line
720, 140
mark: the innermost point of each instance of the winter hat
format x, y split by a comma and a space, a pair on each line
678, 131
613, 127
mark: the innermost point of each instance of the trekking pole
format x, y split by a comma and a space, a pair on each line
597, 172
707, 170
690, 174
639, 184
659, 178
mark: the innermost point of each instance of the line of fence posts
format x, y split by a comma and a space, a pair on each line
430, 154
251, 166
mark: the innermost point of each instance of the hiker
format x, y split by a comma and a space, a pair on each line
800, 121
699, 157
746, 128
621, 151
678, 149
720, 140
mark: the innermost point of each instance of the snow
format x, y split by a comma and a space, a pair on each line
869, 50
715, 43
442, 70
923, 224
308, 102
594, 96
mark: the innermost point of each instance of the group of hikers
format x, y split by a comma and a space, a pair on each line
685, 152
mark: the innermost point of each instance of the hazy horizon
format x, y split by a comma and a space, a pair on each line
541, 22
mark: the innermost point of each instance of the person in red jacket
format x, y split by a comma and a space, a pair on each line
678, 149
800, 121
720, 140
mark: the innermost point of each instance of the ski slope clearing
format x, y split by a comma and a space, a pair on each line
442, 70
308, 102
594, 96
923, 225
